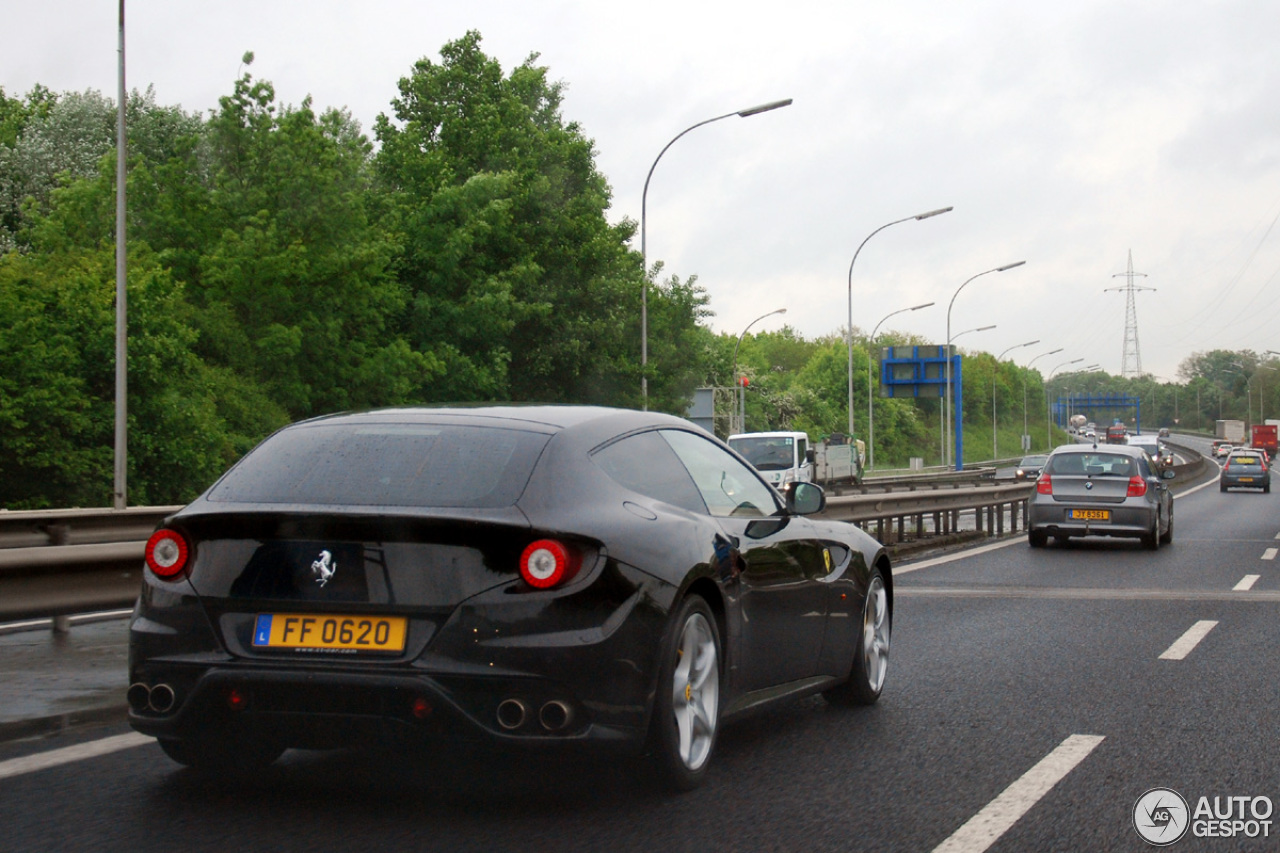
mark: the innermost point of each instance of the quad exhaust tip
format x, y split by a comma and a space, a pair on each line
555, 715
511, 714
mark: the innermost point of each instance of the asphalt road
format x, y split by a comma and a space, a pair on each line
1031, 679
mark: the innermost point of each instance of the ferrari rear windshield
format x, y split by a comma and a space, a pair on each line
394, 464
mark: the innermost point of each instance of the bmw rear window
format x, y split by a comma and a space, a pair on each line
394, 464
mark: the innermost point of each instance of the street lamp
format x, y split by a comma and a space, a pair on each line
947, 408
871, 424
995, 452
1025, 429
1048, 421
119, 487
644, 256
946, 433
742, 424
1248, 385
849, 334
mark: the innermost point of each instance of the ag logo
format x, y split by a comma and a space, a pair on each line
1161, 816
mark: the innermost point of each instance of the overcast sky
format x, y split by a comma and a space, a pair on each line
1065, 134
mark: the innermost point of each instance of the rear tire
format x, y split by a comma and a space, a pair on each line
686, 712
1168, 534
1152, 540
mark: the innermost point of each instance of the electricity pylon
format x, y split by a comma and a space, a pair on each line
1131, 361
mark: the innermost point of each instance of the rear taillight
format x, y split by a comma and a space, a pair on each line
167, 553
1137, 487
548, 563
1044, 485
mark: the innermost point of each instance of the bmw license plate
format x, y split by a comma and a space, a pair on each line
1089, 514
330, 632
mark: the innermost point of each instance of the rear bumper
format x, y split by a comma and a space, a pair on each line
1126, 522
327, 709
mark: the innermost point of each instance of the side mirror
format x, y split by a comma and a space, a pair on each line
1168, 474
808, 455
805, 498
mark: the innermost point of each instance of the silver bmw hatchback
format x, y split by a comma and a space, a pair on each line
1107, 490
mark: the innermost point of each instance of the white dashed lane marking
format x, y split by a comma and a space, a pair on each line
985, 828
1270, 553
1246, 583
1188, 641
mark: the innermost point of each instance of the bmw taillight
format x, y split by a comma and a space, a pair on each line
548, 563
1137, 487
1044, 485
167, 553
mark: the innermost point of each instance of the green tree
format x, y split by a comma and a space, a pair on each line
294, 290
520, 286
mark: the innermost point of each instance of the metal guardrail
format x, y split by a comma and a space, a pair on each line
64, 561
917, 516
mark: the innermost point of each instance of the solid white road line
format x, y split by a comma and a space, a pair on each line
1188, 641
1270, 553
66, 755
958, 555
1246, 583
983, 829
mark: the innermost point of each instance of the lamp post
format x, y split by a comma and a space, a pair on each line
1048, 424
644, 256
1025, 428
742, 393
959, 434
1248, 385
120, 478
871, 424
947, 407
995, 451
849, 334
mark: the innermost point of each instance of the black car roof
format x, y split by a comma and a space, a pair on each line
540, 417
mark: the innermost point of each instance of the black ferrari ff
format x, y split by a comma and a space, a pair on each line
509, 577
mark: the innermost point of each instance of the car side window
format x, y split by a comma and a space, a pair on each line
646, 464
728, 487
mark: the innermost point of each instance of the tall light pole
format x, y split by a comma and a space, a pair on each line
644, 256
1248, 386
871, 424
1025, 428
849, 334
119, 489
742, 393
959, 435
947, 415
995, 436
1048, 425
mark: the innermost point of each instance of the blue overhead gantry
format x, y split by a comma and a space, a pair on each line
1090, 404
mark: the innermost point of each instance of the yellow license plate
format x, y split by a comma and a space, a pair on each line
1246, 479
330, 632
1089, 515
